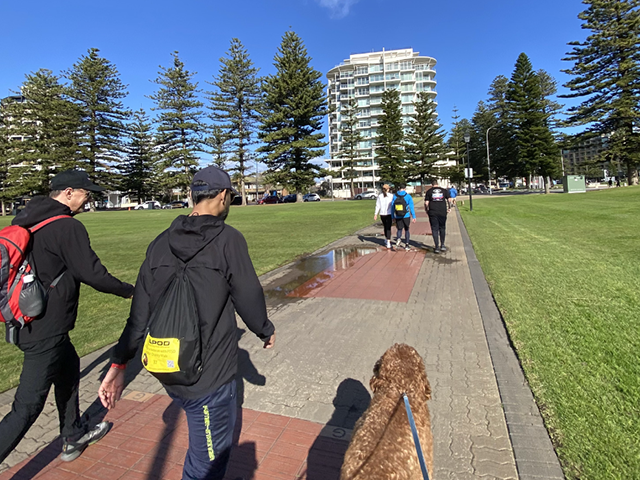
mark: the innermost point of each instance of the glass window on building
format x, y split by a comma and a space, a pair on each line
363, 102
406, 87
406, 65
392, 76
376, 88
392, 66
378, 77
362, 81
362, 91
375, 68
362, 70
406, 76
362, 112
393, 86
346, 74
407, 97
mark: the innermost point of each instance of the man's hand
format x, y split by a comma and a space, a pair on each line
375, 217
270, 342
413, 220
111, 387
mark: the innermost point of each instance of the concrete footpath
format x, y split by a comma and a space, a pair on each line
335, 313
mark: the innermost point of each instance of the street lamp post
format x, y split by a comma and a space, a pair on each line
489, 161
467, 137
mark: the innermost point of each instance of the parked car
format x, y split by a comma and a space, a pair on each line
293, 198
148, 205
311, 197
179, 204
366, 196
270, 199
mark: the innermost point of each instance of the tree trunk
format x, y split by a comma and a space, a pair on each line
632, 174
547, 184
243, 191
353, 192
4, 213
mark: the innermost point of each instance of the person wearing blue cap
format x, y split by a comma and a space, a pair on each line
216, 262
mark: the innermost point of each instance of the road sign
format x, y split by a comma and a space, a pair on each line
468, 172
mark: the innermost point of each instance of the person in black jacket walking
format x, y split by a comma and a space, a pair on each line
220, 271
61, 247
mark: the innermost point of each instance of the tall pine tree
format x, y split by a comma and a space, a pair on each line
140, 168
95, 86
44, 127
294, 108
235, 105
217, 143
351, 137
424, 139
390, 153
606, 74
536, 150
179, 124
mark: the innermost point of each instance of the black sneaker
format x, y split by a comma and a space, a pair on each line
436, 250
72, 450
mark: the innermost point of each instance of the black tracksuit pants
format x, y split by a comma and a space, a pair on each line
53, 361
438, 227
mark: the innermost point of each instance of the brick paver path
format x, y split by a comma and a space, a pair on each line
300, 400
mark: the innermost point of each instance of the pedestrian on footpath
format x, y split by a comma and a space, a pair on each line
59, 249
215, 260
453, 193
436, 204
383, 207
403, 213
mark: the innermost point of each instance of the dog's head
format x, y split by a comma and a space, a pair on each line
401, 367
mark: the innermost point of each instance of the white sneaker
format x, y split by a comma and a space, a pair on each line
388, 244
398, 242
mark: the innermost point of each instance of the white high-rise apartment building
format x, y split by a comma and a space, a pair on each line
365, 76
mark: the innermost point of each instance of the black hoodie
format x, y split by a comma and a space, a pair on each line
62, 246
222, 276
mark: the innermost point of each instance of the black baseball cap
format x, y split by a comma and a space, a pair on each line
74, 179
215, 179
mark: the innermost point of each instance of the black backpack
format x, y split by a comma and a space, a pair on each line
400, 206
172, 350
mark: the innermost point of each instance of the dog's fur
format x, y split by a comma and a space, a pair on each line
382, 444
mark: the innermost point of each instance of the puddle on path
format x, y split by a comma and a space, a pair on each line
322, 267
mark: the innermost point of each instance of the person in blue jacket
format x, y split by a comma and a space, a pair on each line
403, 213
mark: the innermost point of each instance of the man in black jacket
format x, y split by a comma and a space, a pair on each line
61, 247
223, 279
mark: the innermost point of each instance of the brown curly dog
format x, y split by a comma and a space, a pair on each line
382, 445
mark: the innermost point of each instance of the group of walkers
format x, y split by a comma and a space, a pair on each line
198, 254
399, 207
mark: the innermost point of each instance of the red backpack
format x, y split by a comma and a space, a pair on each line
22, 296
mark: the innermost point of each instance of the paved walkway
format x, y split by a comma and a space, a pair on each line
301, 400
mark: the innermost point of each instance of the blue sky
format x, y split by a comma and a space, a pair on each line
473, 41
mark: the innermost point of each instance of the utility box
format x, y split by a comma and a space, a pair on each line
574, 184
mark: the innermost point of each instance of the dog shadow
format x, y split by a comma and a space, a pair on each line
327, 452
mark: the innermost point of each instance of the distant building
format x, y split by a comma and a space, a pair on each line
365, 76
586, 158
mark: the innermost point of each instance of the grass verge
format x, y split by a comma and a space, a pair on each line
564, 272
276, 234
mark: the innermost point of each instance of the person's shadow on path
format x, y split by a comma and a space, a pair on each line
327, 452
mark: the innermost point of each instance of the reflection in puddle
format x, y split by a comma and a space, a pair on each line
320, 268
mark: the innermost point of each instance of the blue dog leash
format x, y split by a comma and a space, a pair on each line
416, 440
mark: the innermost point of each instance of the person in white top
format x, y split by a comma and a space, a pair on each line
383, 207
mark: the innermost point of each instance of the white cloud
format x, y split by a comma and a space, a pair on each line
338, 8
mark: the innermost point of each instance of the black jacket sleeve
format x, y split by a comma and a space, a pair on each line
83, 263
136, 326
245, 288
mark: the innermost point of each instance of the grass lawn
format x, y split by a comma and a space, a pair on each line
564, 272
276, 234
